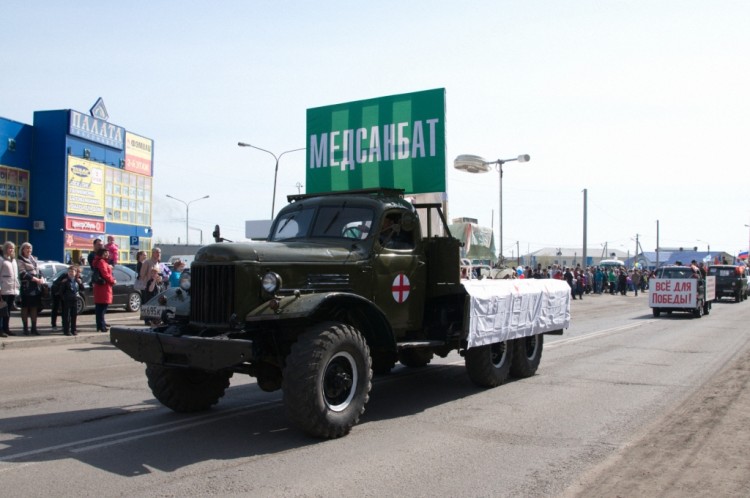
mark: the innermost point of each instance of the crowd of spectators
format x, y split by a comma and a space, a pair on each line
592, 279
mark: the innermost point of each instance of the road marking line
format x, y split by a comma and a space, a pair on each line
178, 423
592, 335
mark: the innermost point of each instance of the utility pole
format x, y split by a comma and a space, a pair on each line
585, 219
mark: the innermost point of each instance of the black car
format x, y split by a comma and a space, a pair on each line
731, 281
123, 292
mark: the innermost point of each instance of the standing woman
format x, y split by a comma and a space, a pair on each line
102, 288
31, 288
9, 286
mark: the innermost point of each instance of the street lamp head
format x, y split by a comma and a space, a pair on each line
524, 158
471, 164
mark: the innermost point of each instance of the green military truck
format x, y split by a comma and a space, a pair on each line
346, 284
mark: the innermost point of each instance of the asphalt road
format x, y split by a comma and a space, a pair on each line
77, 419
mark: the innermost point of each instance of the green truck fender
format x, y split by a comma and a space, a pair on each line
356, 310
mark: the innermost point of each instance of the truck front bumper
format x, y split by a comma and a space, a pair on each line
163, 348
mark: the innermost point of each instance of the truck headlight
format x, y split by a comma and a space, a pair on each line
271, 282
185, 281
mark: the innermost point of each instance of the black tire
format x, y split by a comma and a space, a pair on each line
737, 297
489, 366
327, 380
527, 354
383, 362
187, 390
698, 311
134, 301
707, 308
415, 357
80, 304
656, 311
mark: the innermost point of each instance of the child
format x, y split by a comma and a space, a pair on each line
70, 287
177, 269
153, 285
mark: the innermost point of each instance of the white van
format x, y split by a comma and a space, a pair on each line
611, 263
185, 258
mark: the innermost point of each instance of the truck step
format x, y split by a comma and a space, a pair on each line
419, 344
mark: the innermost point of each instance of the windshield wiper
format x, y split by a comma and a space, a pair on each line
285, 223
335, 217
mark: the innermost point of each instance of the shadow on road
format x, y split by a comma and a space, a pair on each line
133, 440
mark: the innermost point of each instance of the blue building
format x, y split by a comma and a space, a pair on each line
72, 177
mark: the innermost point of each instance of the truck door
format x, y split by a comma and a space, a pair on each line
399, 273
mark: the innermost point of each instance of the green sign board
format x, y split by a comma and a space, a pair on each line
396, 141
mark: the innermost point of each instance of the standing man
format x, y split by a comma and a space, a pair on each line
636, 278
153, 262
113, 250
92, 254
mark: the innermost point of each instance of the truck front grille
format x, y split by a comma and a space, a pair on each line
212, 293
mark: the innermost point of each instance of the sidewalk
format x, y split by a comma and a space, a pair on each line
49, 337
87, 333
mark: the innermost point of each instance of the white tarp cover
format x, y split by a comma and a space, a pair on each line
500, 310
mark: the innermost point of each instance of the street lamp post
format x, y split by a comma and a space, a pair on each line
476, 164
187, 215
276, 171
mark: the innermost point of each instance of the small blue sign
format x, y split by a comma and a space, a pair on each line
134, 241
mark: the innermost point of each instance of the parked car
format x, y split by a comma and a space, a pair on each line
49, 269
123, 293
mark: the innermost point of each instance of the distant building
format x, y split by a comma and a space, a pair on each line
478, 242
567, 256
72, 177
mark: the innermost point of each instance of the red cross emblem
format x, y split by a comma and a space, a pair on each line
400, 288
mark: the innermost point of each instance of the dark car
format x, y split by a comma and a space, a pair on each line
731, 281
123, 292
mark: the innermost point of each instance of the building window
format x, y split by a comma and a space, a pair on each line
14, 191
18, 237
127, 197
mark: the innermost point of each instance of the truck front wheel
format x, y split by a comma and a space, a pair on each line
327, 380
527, 355
187, 390
489, 366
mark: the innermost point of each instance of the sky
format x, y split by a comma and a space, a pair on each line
641, 103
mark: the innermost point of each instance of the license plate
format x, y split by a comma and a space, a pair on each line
151, 311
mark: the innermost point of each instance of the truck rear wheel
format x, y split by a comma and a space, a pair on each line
186, 390
327, 380
415, 357
698, 311
656, 312
489, 366
527, 354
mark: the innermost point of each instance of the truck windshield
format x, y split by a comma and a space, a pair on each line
343, 222
293, 224
330, 221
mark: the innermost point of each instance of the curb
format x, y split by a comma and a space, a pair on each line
16, 342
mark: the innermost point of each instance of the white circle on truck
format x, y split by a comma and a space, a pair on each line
400, 288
